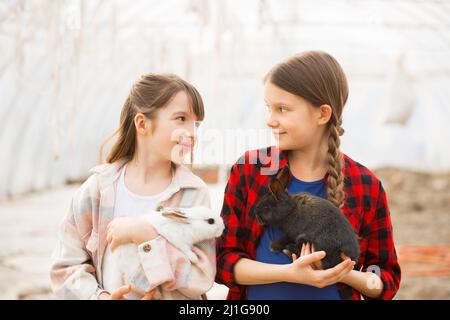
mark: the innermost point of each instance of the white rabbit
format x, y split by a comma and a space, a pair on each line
182, 227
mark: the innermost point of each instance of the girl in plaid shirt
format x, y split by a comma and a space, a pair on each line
143, 171
305, 96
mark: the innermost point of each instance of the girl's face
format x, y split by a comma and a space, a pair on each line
171, 134
295, 123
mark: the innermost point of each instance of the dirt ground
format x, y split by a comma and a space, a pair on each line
419, 205
420, 210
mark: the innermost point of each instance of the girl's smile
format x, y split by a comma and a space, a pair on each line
278, 133
186, 142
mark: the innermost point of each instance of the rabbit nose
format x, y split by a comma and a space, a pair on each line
210, 221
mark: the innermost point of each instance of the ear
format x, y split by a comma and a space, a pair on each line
142, 123
283, 176
176, 215
324, 114
276, 188
279, 183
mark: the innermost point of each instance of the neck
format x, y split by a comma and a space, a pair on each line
148, 168
310, 163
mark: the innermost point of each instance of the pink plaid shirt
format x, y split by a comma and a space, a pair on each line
77, 260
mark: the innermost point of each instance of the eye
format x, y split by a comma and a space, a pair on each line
181, 118
282, 109
210, 221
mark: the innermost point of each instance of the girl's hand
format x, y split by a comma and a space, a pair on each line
307, 269
308, 249
123, 290
129, 230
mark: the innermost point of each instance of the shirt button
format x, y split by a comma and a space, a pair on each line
146, 247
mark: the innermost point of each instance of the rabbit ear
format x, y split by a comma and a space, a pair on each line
276, 188
176, 215
284, 176
279, 183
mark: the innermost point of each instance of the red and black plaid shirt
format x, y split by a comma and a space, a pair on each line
365, 207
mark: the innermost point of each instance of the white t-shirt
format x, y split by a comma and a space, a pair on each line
129, 204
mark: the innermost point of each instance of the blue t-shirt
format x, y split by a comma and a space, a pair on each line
286, 290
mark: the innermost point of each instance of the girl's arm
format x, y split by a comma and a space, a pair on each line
380, 255
167, 265
163, 263
368, 283
229, 247
72, 273
250, 272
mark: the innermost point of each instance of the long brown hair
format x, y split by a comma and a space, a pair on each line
318, 78
149, 94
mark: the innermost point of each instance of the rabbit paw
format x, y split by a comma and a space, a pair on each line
275, 246
290, 249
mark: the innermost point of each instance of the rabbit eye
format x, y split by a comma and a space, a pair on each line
210, 221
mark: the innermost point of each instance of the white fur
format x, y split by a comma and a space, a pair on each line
182, 233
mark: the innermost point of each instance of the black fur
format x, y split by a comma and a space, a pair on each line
305, 218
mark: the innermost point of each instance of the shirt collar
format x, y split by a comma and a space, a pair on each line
281, 156
108, 173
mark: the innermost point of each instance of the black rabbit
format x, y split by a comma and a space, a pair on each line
305, 218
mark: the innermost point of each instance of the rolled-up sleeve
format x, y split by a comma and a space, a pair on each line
72, 272
229, 250
381, 254
166, 266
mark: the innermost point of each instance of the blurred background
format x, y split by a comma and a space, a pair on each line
67, 66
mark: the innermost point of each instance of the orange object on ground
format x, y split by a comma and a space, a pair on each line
434, 260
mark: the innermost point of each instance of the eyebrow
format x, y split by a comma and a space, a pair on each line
284, 104
181, 113
185, 114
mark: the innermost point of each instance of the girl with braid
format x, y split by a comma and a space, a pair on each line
305, 96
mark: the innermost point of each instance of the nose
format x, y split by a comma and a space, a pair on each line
192, 130
271, 121
221, 227
189, 133
188, 129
